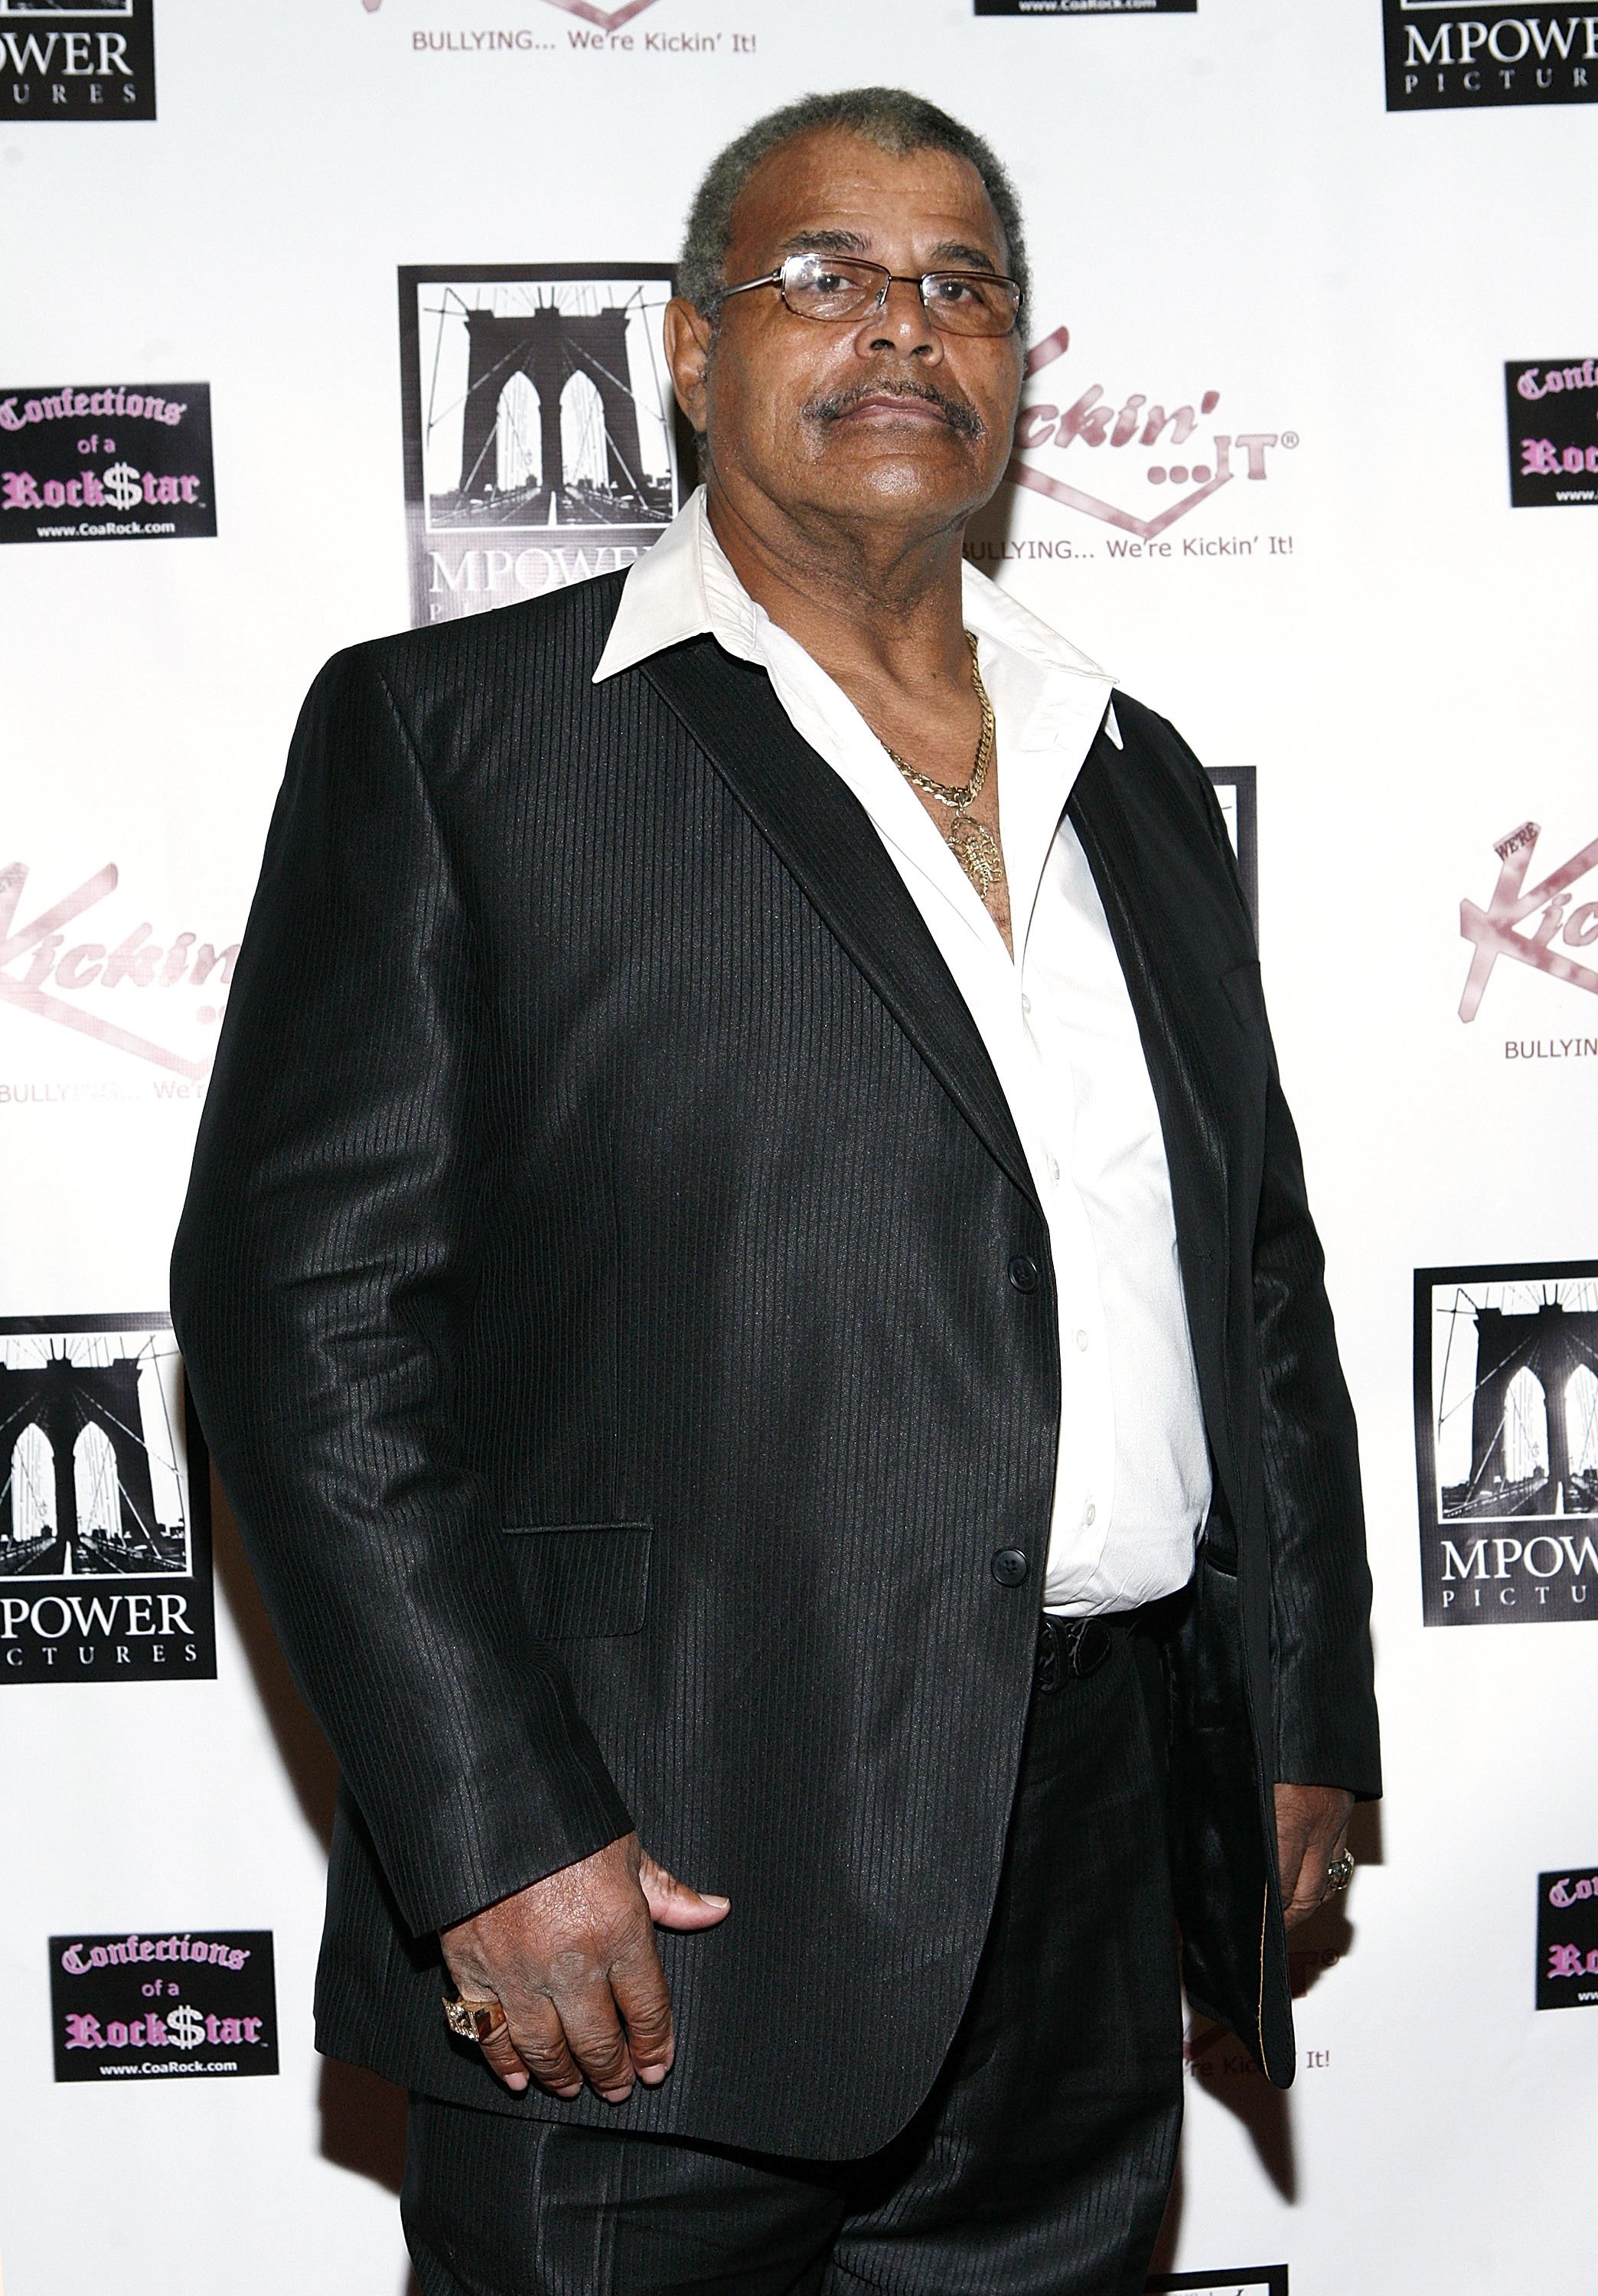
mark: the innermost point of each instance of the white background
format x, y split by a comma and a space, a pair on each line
1217, 200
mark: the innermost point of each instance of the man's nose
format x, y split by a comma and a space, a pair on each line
902, 324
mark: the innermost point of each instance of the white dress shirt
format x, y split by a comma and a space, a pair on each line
1132, 1479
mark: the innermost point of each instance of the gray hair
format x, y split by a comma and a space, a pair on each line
891, 118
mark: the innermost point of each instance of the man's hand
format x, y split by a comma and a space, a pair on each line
572, 1962
1312, 1823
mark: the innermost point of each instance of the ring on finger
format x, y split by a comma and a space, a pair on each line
481, 2021
1340, 1873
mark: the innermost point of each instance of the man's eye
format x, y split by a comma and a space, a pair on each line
829, 281
954, 290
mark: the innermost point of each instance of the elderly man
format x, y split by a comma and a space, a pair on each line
748, 1278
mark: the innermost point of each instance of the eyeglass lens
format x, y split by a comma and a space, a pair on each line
958, 302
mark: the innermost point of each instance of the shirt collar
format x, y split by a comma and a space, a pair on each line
685, 588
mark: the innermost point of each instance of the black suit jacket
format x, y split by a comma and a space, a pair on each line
599, 1287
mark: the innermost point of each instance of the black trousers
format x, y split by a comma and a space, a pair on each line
1039, 2164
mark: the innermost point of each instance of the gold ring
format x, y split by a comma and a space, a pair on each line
474, 2021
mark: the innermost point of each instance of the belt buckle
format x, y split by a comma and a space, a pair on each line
1074, 1646
1090, 1647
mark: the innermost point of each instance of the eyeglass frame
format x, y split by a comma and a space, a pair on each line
778, 280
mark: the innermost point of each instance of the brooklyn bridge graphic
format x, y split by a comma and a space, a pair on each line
544, 403
93, 1484
1515, 1393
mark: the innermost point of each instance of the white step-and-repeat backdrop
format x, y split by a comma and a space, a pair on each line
329, 315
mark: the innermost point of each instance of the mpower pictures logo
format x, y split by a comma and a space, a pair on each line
1506, 1443
1140, 462
77, 60
1447, 56
106, 462
105, 1546
141, 2005
541, 443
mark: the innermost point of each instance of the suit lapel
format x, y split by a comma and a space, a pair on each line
823, 836
1166, 988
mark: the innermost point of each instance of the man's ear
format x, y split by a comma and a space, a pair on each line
688, 337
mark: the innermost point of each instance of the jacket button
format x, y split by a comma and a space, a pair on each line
1009, 1566
1024, 1271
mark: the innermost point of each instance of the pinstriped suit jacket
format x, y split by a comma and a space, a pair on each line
595, 1288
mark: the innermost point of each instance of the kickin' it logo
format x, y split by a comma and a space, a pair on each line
97, 988
1139, 463
1495, 930
609, 20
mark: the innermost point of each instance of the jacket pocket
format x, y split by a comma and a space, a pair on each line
581, 1579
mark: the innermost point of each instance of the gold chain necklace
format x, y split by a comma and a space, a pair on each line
974, 846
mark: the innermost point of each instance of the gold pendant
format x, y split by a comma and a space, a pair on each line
977, 850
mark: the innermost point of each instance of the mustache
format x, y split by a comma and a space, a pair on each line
955, 412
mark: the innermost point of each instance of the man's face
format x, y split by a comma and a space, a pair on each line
881, 412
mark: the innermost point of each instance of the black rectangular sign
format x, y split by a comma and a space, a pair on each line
1234, 790
106, 461
1253, 2280
1087, 7
105, 1533
1447, 56
1506, 1443
1552, 430
91, 60
1567, 1938
143, 2005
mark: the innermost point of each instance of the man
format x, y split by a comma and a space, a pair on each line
749, 1279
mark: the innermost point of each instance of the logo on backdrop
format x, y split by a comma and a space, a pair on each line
105, 1549
1141, 464
105, 462
172, 990
141, 2005
1558, 928
540, 438
77, 60
1506, 1442
1553, 429
1568, 1940
608, 24
1252, 2280
1445, 55
1087, 7
1234, 788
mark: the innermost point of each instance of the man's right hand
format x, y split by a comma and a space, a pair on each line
572, 1962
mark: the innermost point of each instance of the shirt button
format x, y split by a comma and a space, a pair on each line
1009, 1566
1082, 1341
1090, 1515
1024, 1271
1025, 1003
1054, 1170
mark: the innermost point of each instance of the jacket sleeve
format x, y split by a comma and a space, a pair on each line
1320, 1661
1322, 1667
324, 1269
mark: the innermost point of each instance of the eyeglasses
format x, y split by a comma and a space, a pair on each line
832, 287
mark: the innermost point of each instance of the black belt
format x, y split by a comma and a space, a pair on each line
1075, 1648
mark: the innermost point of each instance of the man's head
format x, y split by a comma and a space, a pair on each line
885, 415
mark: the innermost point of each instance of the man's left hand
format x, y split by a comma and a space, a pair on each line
1312, 1824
